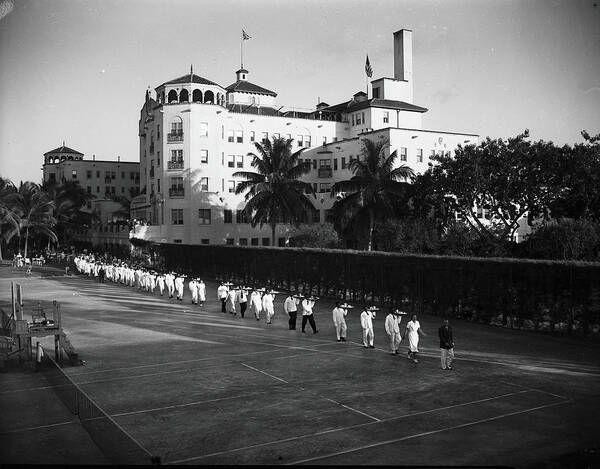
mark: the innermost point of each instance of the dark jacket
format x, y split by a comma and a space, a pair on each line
446, 339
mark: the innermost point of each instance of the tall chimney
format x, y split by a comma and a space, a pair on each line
403, 55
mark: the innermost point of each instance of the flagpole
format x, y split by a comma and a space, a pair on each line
242, 52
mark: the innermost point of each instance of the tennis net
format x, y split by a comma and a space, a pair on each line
113, 440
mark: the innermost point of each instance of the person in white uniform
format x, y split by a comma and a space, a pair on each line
160, 281
193, 286
267, 305
242, 299
230, 302
201, 292
256, 303
413, 329
290, 306
170, 283
339, 321
366, 322
392, 328
179, 283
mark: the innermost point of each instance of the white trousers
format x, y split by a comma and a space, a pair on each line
340, 329
368, 337
395, 341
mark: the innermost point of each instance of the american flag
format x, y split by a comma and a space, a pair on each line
368, 69
245, 36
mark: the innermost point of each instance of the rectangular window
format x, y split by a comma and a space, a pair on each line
300, 139
89, 189
98, 174
123, 190
241, 217
243, 241
314, 164
419, 155
178, 241
265, 137
97, 189
343, 162
254, 241
204, 216
281, 242
239, 136
376, 94
307, 141
74, 174
324, 187
276, 135
113, 175
203, 129
231, 161
177, 184
230, 136
227, 216
252, 136
324, 140
158, 182
177, 216
229, 241
131, 175
352, 120
386, 117
88, 174
204, 241
363, 118
231, 186
314, 185
123, 172
402, 153
266, 241
204, 184
431, 154
358, 121
204, 156
335, 167
176, 156
325, 163
239, 161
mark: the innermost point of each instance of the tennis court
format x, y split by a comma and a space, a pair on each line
196, 386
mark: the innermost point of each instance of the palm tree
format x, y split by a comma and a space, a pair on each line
9, 218
36, 210
69, 198
373, 190
274, 193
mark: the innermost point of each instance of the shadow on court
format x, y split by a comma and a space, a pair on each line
197, 386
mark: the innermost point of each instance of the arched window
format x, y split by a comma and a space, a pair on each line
184, 96
209, 97
197, 96
172, 96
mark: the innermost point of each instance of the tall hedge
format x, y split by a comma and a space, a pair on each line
552, 295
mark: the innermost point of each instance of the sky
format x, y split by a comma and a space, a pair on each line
77, 70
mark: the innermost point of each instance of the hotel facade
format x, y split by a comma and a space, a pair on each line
194, 134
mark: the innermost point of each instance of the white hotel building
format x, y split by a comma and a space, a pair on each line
195, 134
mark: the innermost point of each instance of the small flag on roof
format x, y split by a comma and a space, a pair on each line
245, 35
368, 69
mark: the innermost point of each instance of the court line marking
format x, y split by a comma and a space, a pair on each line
265, 373
50, 425
318, 395
432, 432
339, 429
534, 389
175, 406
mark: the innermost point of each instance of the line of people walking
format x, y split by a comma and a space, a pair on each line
261, 302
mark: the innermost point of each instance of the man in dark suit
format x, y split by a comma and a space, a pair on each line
446, 345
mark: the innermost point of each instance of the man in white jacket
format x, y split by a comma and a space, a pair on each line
339, 321
193, 286
201, 291
222, 295
392, 328
366, 322
170, 283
